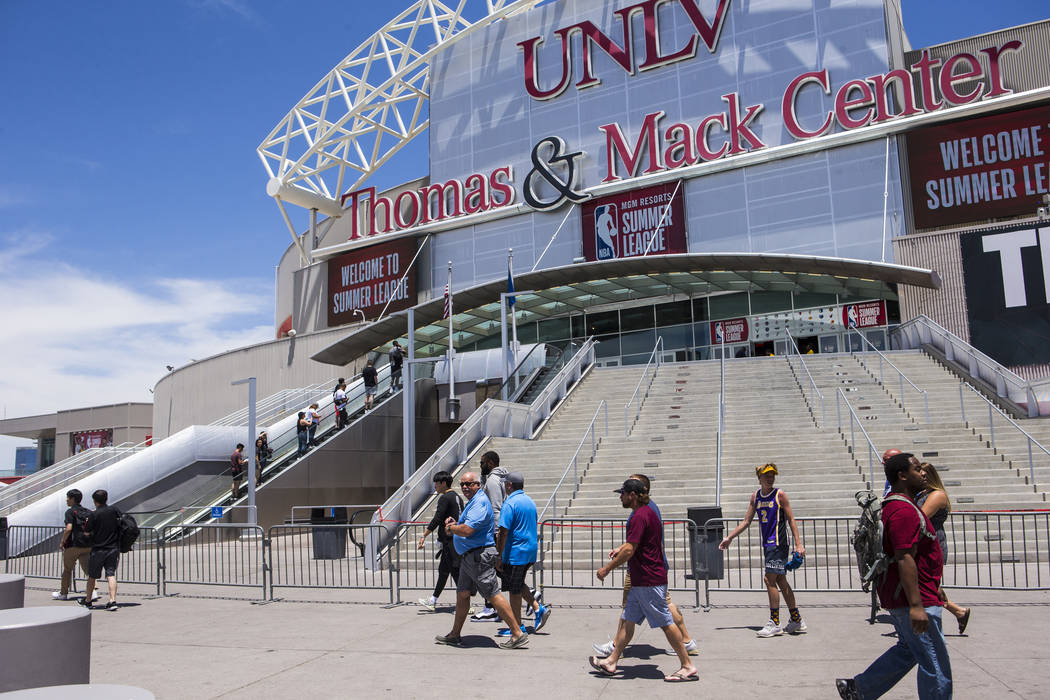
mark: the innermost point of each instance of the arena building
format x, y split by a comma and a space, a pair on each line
709, 172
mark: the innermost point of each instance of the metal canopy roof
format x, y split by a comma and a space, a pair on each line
575, 288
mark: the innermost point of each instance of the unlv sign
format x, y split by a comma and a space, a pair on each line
622, 52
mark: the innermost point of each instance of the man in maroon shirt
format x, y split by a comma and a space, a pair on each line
647, 600
909, 591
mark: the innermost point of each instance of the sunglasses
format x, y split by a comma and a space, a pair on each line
469, 483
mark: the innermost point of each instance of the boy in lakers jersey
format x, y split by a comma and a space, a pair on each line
771, 506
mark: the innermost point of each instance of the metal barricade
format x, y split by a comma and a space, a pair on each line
42, 558
998, 550
417, 569
213, 554
573, 549
293, 563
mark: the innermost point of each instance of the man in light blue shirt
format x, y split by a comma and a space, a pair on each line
474, 539
517, 542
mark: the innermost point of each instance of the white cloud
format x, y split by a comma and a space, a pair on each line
72, 338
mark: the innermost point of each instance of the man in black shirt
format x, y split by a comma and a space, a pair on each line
371, 378
448, 506
397, 359
75, 544
103, 527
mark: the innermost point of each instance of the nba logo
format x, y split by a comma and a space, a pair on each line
720, 336
605, 232
851, 316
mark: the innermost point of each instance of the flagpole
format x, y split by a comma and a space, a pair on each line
451, 371
513, 312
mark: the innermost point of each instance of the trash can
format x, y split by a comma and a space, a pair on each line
329, 542
704, 554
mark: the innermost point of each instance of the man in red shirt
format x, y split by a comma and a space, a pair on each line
909, 591
647, 600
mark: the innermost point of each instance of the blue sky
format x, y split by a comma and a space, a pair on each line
135, 231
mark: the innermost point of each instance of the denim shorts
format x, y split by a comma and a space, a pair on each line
648, 603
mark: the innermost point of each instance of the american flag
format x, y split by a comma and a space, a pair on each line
448, 295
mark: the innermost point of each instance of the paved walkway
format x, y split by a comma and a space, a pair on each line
181, 647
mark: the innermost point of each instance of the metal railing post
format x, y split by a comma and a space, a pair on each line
962, 403
991, 424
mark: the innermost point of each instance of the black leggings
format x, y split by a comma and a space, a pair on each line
448, 563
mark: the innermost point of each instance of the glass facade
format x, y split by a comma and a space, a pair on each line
627, 335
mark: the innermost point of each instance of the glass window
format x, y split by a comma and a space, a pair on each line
603, 322
728, 305
845, 299
607, 346
768, 302
639, 341
527, 332
701, 333
893, 311
700, 309
578, 329
636, 319
635, 359
809, 300
674, 313
495, 341
554, 329
677, 337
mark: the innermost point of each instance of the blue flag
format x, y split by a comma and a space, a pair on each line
510, 287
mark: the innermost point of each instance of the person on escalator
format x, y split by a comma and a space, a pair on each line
315, 420
302, 429
371, 378
397, 359
339, 401
237, 465
262, 455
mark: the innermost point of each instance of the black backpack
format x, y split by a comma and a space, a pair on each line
77, 537
129, 532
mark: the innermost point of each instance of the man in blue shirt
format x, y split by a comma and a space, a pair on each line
474, 539
517, 543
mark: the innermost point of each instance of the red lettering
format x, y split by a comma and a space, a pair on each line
882, 82
478, 192
399, 204
925, 66
632, 158
502, 188
709, 33
683, 145
531, 69
740, 129
994, 73
948, 79
442, 190
701, 137
591, 35
787, 105
843, 104
653, 57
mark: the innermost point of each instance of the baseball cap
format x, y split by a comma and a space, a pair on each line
766, 468
515, 478
631, 486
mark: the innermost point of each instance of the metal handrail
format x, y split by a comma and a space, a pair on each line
792, 345
718, 449
992, 409
514, 373
1003, 378
654, 356
901, 377
872, 450
574, 461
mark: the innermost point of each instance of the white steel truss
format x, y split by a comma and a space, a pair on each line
369, 106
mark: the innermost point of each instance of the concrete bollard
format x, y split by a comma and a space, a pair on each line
45, 646
12, 591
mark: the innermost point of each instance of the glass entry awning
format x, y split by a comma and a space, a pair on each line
576, 288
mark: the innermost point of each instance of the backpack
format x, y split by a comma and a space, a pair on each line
77, 537
867, 541
128, 529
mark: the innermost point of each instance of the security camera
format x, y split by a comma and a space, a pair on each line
291, 332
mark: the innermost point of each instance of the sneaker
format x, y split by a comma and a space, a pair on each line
486, 615
85, 602
449, 640
472, 609
847, 689
793, 627
770, 630
690, 648
537, 596
519, 643
505, 631
95, 595
428, 603
603, 650
542, 615
59, 596
111, 606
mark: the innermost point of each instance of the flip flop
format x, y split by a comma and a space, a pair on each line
677, 677
964, 620
599, 668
